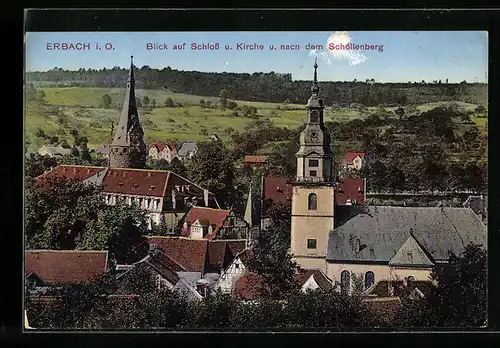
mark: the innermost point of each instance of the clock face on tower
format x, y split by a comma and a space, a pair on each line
313, 135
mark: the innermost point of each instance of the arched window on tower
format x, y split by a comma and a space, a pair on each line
312, 202
369, 279
345, 282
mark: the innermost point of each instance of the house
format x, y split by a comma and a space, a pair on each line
254, 161
275, 190
354, 160
160, 151
350, 191
233, 272
187, 150
46, 268
248, 286
53, 151
102, 150
210, 223
406, 288
163, 269
199, 255
164, 195
479, 204
393, 243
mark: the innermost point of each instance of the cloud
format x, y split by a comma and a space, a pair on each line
339, 37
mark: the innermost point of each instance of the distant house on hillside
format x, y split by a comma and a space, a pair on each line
161, 151
102, 150
53, 151
187, 150
354, 160
254, 161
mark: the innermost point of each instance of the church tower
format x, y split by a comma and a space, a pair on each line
128, 149
313, 196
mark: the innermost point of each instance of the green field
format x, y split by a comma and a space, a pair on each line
81, 108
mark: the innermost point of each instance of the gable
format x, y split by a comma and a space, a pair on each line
310, 284
410, 254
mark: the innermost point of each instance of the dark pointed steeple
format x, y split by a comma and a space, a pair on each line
315, 87
128, 147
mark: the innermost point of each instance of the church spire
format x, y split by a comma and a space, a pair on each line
128, 147
315, 87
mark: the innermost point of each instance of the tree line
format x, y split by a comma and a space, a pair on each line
259, 86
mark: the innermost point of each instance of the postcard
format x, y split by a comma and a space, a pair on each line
255, 180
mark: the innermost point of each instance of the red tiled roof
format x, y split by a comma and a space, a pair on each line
255, 159
350, 156
303, 275
189, 253
133, 181
353, 189
248, 286
381, 289
236, 246
277, 189
219, 255
58, 267
159, 146
71, 172
214, 216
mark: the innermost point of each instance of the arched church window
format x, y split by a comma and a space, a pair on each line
369, 279
312, 203
345, 282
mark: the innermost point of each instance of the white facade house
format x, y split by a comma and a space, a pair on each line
229, 277
161, 151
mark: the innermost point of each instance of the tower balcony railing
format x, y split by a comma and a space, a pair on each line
314, 179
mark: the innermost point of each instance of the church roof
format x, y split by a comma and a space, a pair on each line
384, 229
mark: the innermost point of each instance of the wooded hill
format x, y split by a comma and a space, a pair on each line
266, 87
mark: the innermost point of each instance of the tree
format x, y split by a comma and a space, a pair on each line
145, 100
57, 212
153, 103
270, 258
169, 103
36, 165
40, 133
212, 167
202, 103
106, 101
458, 300
120, 229
223, 98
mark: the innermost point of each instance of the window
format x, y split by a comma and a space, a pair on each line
345, 282
314, 117
313, 163
312, 203
237, 265
313, 173
311, 244
369, 279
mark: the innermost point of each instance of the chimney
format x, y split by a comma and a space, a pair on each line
205, 197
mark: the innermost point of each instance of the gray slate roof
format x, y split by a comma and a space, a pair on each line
187, 146
383, 231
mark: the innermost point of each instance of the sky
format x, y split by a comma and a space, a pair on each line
405, 55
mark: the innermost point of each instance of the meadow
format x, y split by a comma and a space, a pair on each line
79, 107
